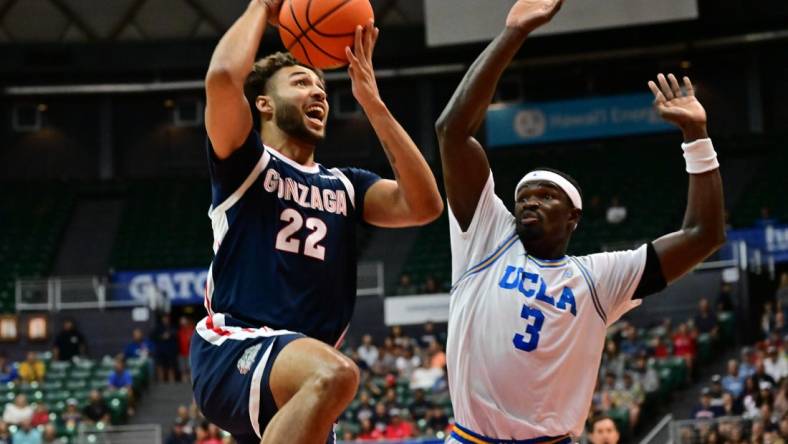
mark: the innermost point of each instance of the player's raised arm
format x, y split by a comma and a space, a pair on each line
228, 118
413, 198
465, 165
703, 230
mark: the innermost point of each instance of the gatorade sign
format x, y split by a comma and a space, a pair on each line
181, 287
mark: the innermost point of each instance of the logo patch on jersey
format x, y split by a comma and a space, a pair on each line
246, 361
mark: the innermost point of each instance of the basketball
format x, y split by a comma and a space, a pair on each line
317, 32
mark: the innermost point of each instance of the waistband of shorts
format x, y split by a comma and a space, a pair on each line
466, 436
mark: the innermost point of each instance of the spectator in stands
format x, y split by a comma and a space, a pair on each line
398, 338
165, 345
763, 379
40, 415
50, 436
96, 410
408, 362
419, 406
747, 363
781, 296
369, 432
178, 435
603, 431
616, 212
120, 378
8, 372
429, 335
5, 435
612, 360
405, 286
365, 409
26, 434
185, 331
725, 298
706, 319
367, 351
629, 396
425, 376
208, 434
32, 369
437, 357
704, 410
732, 382
766, 219
781, 400
775, 364
139, 347
69, 343
189, 423
400, 427
730, 407
19, 411
757, 431
437, 419
380, 418
630, 345
431, 285
684, 346
71, 416
716, 391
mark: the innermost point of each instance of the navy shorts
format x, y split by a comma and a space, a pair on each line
231, 365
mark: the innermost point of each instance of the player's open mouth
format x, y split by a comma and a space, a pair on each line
529, 218
315, 115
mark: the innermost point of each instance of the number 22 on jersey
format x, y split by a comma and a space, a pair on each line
286, 240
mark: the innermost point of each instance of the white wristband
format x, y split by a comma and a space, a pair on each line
700, 156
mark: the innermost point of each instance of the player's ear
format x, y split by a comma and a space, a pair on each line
574, 218
265, 105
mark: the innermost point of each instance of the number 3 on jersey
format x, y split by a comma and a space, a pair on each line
534, 319
286, 242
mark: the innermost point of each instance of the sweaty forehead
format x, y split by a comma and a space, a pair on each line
285, 74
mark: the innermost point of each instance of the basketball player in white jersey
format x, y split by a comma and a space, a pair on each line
527, 322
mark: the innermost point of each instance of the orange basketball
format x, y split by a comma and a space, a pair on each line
316, 32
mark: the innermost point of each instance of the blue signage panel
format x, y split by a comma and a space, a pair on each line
182, 286
770, 240
522, 123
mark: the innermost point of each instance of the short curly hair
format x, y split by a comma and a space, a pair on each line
265, 68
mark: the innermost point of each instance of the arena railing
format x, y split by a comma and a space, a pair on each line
695, 431
125, 434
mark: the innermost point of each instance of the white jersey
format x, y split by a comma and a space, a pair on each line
526, 335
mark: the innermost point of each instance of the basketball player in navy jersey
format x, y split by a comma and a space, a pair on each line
282, 285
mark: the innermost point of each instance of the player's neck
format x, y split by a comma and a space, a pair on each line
541, 249
294, 149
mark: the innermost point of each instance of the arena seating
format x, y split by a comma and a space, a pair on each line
32, 219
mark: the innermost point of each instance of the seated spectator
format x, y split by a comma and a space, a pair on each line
431, 285
408, 362
369, 432
8, 372
19, 411
419, 406
120, 378
367, 351
730, 407
398, 338
405, 286
616, 212
645, 374
71, 416
629, 396
775, 364
631, 345
178, 435
26, 434
757, 431
50, 436
761, 377
5, 435
612, 360
436, 355
189, 423
97, 409
732, 382
704, 410
40, 415
706, 319
69, 343
684, 346
437, 419
32, 369
429, 335
139, 347
425, 377
365, 410
400, 426
747, 363
603, 431
380, 418
207, 434
716, 391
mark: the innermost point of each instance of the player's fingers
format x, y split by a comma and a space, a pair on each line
674, 85
664, 87
350, 56
688, 86
358, 48
375, 34
369, 36
658, 97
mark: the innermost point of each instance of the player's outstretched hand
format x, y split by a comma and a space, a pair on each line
678, 107
528, 15
273, 7
361, 71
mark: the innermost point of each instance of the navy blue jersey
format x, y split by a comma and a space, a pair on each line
284, 241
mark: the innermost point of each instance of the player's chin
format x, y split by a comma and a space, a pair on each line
529, 232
